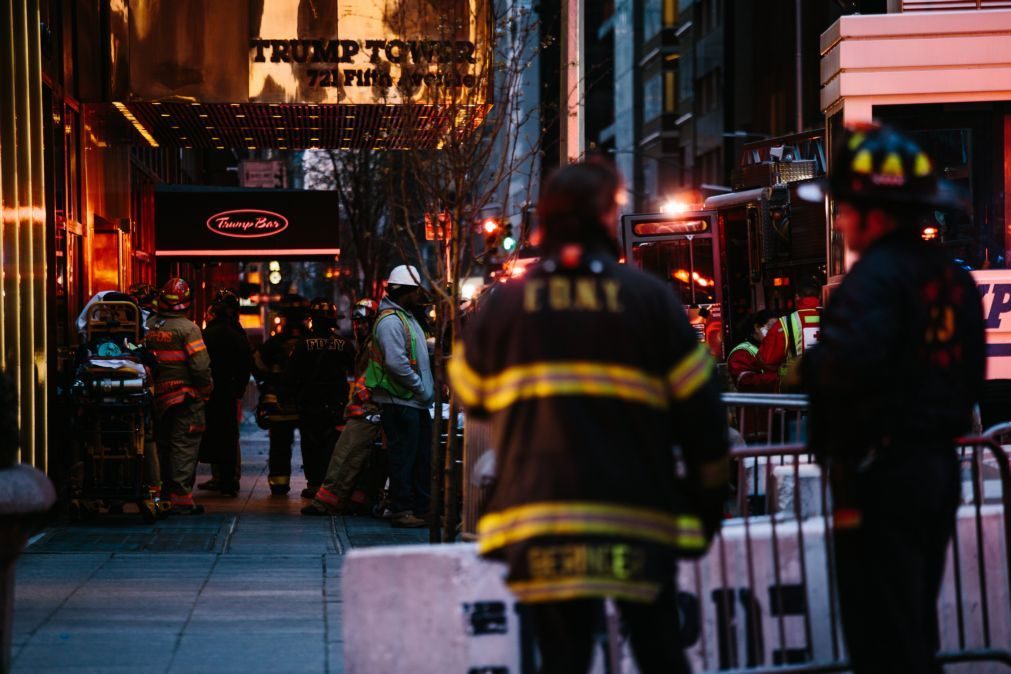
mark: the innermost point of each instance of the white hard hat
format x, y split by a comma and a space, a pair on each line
404, 275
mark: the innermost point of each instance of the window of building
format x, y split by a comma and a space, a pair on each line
709, 15
710, 169
652, 18
653, 97
709, 91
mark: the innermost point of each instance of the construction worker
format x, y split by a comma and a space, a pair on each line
231, 363
791, 335
271, 367
361, 426
399, 375
748, 373
892, 383
591, 373
321, 365
183, 384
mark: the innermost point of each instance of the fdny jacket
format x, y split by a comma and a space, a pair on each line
184, 368
901, 351
272, 370
320, 367
791, 335
592, 375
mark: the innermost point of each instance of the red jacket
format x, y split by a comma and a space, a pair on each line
747, 373
773, 350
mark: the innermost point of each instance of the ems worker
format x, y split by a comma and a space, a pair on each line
399, 375
277, 409
592, 374
748, 373
182, 386
361, 426
321, 365
892, 383
792, 335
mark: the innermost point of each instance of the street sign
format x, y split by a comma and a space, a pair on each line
263, 173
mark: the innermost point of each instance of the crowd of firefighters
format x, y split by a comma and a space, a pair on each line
338, 391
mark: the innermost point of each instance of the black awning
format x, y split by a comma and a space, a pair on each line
248, 223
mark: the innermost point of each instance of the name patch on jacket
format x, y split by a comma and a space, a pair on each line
620, 561
580, 293
324, 344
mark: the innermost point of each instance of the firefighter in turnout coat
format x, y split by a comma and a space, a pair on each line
892, 384
591, 374
182, 386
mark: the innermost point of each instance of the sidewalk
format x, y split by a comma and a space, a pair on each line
252, 586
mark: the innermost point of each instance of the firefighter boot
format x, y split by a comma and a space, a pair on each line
280, 485
183, 504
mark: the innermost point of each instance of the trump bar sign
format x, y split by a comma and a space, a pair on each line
249, 223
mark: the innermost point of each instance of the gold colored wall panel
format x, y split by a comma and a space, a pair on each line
22, 230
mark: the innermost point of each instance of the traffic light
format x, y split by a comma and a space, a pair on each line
508, 240
492, 230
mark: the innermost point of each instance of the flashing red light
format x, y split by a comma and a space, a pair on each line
780, 281
929, 233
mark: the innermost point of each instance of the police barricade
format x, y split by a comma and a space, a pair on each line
762, 599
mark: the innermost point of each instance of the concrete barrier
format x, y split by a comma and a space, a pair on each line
442, 609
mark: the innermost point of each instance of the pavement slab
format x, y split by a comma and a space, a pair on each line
251, 586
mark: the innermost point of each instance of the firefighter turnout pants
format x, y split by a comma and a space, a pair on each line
349, 456
179, 429
318, 431
282, 437
890, 549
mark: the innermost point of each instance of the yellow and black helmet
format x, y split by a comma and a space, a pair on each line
878, 165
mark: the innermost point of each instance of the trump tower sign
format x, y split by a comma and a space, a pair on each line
245, 222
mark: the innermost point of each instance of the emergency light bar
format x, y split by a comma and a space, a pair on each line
669, 226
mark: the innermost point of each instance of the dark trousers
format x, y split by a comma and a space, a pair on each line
565, 632
890, 566
409, 443
318, 431
282, 437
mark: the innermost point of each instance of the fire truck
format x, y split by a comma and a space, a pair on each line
744, 250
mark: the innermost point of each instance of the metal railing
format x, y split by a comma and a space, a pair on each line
785, 554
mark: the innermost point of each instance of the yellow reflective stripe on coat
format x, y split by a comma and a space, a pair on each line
521, 523
691, 373
464, 380
558, 589
554, 378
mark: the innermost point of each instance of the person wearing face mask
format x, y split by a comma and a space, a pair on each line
748, 373
399, 374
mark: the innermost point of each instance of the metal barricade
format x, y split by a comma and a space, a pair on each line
767, 590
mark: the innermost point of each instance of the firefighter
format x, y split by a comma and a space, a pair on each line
791, 335
361, 425
276, 408
182, 386
591, 373
231, 363
321, 365
892, 383
748, 373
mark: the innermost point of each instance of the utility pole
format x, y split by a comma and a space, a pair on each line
799, 65
572, 89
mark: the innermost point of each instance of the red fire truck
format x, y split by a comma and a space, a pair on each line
743, 250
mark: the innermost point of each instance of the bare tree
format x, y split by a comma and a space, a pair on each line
361, 179
485, 162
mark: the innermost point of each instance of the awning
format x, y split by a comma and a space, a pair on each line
201, 222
